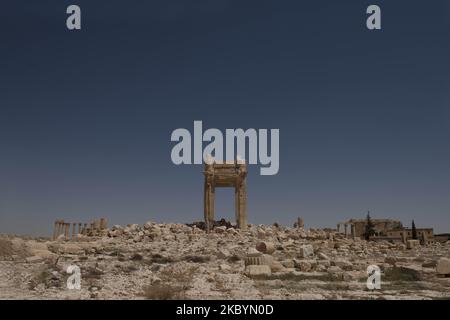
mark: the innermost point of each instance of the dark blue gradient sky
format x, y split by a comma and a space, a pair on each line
86, 117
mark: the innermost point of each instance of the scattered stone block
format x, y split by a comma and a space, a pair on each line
252, 252
223, 253
288, 263
258, 270
411, 244
322, 256
261, 260
34, 259
306, 251
443, 266
221, 229
302, 265
276, 266
265, 247
343, 264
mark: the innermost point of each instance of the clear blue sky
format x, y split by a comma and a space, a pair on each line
86, 117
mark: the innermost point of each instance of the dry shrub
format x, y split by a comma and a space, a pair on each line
162, 292
174, 284
181, 276
137, 257
129, 268
157, 258
197, 259
221, 284
91, 273
398, 275
234, 258
40, 278
6, 248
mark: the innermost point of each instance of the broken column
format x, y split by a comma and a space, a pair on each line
67, 227
209, 196
403, 234
55, 230
423, 239
60, 228
73, 231
241, 210
96, 225
353, 231
300, 223
103, 224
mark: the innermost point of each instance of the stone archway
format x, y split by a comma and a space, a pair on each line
219, 175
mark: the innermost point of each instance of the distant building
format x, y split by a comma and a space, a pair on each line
381, 226
442, 238
425, 235
428, 232
388, 230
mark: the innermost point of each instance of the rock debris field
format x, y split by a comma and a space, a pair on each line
176, 261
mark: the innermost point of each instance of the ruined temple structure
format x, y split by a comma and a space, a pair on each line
356, 228
385, 230
219, 175
299, 223
92, 229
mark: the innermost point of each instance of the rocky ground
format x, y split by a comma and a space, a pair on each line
175, 261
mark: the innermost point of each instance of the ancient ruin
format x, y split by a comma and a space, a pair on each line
219, 175
385, 230
62, 229
263, 262
355, 228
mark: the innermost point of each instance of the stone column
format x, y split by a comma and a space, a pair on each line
73, 231
345, 230
209, 202
237, 212
403, 234
103, 224
423, 239
85, 229
96, 225
67, 226
60, 227
212, 205
300, 223
338, 227
55, 230
242, 205
353, 231
206, 205
79, 228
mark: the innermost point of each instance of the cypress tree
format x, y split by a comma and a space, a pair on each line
414, 231
370, 227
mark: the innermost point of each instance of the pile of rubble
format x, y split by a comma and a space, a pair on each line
163, 261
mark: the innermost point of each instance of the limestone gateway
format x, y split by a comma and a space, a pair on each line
226, 175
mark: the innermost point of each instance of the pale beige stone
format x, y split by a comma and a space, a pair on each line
443, 266
258, 270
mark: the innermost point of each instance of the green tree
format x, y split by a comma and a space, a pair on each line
370, 227
414, 231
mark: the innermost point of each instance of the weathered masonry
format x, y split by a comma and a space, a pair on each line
219, 175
